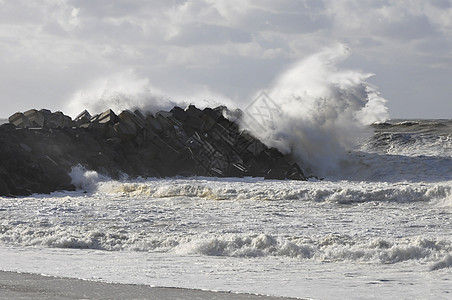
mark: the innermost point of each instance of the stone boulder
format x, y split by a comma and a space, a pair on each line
38, 119
39, 148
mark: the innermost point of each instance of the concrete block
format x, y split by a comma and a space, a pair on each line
35, 117
108, 117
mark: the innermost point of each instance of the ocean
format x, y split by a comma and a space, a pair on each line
379, 227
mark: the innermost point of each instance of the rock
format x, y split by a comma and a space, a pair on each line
83, 118
107, 117
19, 120
58, 120
179, 113
139, 114
25, 147
154, 125
209, 117
35, 117
164, 114
39, 148
26, 168
38, 119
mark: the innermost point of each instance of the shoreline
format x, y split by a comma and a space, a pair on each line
15, 285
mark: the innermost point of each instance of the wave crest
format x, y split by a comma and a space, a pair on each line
323, 111
258, 189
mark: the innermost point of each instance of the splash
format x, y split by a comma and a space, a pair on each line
322, 110
85, 179
120, 91
128, 90
319, 110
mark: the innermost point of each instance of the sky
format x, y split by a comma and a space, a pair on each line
66, 54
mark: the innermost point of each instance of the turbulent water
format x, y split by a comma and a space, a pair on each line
378, 225
380, 229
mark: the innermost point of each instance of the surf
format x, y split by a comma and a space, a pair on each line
323, 111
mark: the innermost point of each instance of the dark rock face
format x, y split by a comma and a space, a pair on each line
39, 148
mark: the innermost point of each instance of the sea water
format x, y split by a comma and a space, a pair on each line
373, 221
381, 229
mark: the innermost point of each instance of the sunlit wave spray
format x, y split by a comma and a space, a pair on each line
128, 90
317, 111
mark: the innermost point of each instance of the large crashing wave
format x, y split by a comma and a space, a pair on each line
323, 111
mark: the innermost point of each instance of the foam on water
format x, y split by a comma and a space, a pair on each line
259, 189
446, 262
414, 151
413, 144
177, 215
328, 247
359, 165
325, 248
412, 138
334, 247
244, 227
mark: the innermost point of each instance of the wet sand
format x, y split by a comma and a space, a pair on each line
32, 286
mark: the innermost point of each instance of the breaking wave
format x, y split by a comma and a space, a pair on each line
317, 111
332, 247
446, 262
321, 110
86, 180
259, 189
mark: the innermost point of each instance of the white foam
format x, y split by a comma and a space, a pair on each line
331, 247
85, 179
410, 144
318, 191
324, 111
178, 232
446, 262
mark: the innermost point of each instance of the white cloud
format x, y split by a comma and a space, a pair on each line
231, 47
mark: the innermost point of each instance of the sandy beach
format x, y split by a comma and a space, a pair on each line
32, 286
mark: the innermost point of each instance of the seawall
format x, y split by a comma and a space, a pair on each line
38, 148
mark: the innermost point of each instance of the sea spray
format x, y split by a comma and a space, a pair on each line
85, 179
129, 90
323, 111
119, 91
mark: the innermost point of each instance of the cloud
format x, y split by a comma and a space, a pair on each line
232, 47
